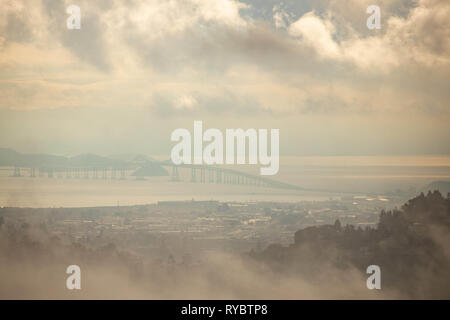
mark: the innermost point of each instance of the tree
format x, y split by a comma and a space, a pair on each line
337, 225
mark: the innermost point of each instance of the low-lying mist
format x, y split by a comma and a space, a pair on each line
411, 245
33, 266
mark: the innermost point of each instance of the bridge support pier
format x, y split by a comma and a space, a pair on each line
211, 176
218, 175
17, 172
175, 175
202, 175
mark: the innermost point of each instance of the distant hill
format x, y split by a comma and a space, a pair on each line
151, 170
10, 157
130, 157
92, 160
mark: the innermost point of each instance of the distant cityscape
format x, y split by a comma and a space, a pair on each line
204, 225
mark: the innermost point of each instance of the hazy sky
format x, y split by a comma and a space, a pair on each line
137, 70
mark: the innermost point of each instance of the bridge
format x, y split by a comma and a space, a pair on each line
212, 174
196, 174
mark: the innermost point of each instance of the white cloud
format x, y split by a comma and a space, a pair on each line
161, 18
316, 33
281, 17
185, 102
199, 44
423, 37
185, 58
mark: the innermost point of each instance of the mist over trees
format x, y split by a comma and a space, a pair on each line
411, 245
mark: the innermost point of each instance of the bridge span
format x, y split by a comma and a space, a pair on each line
197, 174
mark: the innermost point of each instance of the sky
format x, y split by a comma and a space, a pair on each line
137, 70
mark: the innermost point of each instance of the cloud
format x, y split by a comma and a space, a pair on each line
317, 33
423, 37
170, 104
246, 60
281, 17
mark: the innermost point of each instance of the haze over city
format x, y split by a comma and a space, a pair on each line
266, 149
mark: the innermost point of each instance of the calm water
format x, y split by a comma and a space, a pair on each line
331, 175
